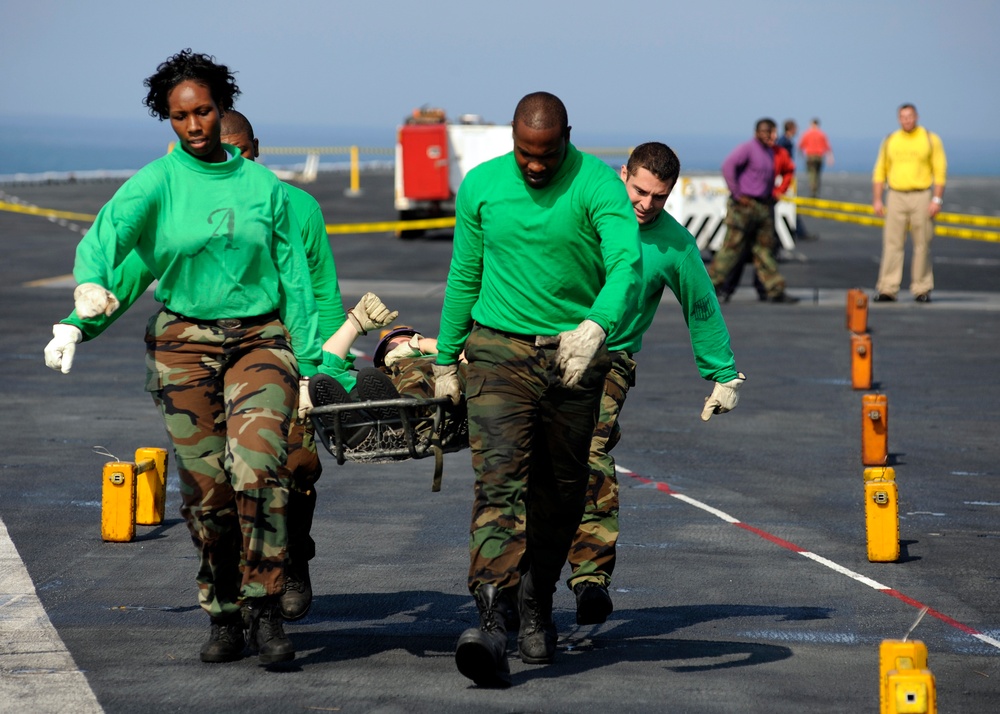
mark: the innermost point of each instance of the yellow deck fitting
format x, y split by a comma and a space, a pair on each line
881, 514
151, 486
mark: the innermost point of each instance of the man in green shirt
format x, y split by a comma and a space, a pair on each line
670, 259
546, 264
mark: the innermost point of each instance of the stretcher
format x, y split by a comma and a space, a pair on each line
398, 429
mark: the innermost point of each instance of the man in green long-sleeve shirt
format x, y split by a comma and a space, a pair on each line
670, 259
546, 263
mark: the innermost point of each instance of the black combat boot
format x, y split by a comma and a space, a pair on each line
226, 642
593, 603
267, 635
481, 654
536, 639
296, 598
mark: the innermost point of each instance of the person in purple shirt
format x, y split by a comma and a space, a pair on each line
749, 175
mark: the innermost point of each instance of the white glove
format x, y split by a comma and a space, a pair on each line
93, 299
725, 397
61, 348
305, 403
446, 382
370, 314
410, 348
577, 349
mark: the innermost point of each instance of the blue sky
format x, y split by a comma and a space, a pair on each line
638, 69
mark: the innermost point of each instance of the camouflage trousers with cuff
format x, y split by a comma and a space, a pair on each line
751, 225
530, 438
592, 555
227, 397
304, 470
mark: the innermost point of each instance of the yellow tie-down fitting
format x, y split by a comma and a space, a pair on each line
881, 514
133, 492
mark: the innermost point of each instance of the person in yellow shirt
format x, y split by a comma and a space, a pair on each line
912, 163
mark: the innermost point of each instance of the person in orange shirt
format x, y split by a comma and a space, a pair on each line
816, 148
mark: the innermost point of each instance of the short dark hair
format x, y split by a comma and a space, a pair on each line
234, 122
188, 65
541, 110
765, 122
906, 106
790, 124
658, 159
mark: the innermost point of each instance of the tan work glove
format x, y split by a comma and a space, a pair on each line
576, 351
93, 299
61, 348
410, 348
446, 382
370, 314
305, 403
725, 397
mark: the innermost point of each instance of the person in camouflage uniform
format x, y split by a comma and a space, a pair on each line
536, 364
225, 353
749, 175
670, 259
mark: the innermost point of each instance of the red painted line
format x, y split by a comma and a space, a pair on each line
931, 611
665, 488
773, 538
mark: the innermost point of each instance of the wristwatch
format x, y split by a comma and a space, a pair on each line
938, 200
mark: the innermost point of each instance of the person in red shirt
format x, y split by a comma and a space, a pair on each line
816, 148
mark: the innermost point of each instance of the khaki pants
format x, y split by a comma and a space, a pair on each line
904, 208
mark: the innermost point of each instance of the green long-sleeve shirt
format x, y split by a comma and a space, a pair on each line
671, 259
132, 277
538, 261
217, 237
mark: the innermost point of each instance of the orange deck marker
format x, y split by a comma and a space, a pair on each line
861, 361
874, 429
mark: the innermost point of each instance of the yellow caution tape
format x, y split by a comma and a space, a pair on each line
46, 212
386, 226
857, 213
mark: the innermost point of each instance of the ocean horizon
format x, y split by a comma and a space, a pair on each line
44, 144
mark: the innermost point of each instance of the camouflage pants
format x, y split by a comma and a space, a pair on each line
530, 439
751, 225
304, 469
592, 555
227, 397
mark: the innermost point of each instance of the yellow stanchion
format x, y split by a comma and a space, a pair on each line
355, 189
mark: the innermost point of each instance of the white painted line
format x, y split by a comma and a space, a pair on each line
665, 488
38, 672
845, 571
698, 504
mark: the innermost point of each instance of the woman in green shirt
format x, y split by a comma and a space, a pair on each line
225, 352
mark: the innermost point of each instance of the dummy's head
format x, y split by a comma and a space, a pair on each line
392, 339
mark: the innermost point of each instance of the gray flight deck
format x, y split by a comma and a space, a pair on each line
742, 583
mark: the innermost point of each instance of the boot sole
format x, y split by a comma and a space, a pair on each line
219, 659
276, 657
548, 659
476, 663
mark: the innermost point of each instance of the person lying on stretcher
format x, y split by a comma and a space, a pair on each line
402, 367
